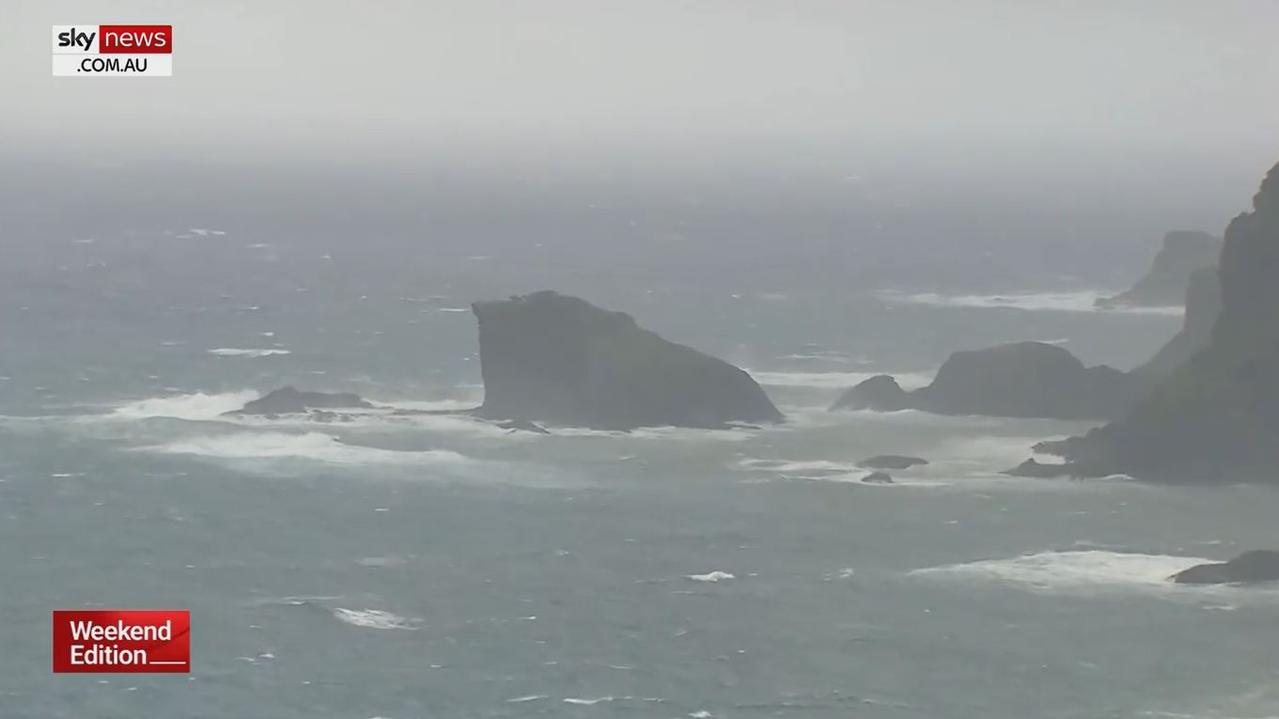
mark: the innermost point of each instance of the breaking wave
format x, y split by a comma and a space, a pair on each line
197, 406
239, 352
314, 446
1074, 301
1084, 570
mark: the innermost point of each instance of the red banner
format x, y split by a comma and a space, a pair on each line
121, 640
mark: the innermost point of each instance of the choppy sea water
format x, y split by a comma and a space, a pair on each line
437, 566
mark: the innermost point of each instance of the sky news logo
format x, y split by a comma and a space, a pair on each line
121, 640
112, 50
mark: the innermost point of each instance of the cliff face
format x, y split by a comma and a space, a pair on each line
1183, 253
559, 359
1215, 418
1023, 379
1203, 304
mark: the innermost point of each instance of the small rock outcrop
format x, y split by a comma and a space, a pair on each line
1023, 379
1250, 567
891, 461
1183, 253
878, 478
1215, 418
1040, 470
556, 359
289, 400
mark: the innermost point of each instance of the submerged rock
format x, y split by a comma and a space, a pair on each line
289, 400
878, 478
1183, 253
557, 359
1023, 379
1256, 566
1215, 418
891, 461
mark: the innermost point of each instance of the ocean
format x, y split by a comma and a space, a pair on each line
404, 567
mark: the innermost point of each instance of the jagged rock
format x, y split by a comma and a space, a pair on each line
891, 461
1216, 417
1023, 379
557, 359
880, 393
1183, 253
878, 478
289, 400
1031, 468
1256, 566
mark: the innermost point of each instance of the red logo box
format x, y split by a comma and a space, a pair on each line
135, 39
121, 640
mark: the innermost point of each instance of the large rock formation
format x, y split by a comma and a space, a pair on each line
1203, 303
1216, 417
289, 400
1024, 379
1258, 565
552, 358
1183, 253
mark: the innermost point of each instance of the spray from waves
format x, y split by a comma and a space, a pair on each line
1090, 572
1075, 301
197, 406
240, 352
313, 446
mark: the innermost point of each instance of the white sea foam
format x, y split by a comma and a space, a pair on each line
1086, 570
715, 576
834, 380
374, 619
197, 406
587, 702
241, 352
1072, 301
314, 446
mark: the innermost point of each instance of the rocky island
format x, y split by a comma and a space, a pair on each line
1023, 379
552, 358
1259, 565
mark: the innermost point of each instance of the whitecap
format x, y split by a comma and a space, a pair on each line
715, 576
587, 702
240, 352
526, 699
374, 619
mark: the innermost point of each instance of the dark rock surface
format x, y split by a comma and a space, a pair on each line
891, 461
1214, 419
1032, 468
1203, 304
1023, 379
1183, 253
880, 393
1256, 566
878, 478
552, 358
289, 400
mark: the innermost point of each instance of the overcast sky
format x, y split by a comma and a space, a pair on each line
1199, 75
